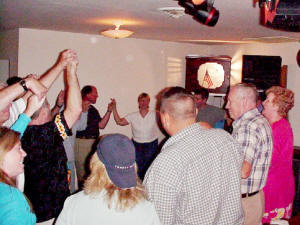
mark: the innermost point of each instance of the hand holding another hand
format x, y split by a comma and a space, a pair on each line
36, 87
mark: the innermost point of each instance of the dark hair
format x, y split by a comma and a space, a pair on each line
13, 80
143, 95
203, 92
86, 90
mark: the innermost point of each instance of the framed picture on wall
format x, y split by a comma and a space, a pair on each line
212, 73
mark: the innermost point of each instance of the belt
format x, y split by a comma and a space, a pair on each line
87, 137
250, 194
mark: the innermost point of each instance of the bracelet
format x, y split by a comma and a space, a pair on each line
23, 84
109, 110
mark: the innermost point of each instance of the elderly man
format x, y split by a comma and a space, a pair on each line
196, 177
46, 183
254, 134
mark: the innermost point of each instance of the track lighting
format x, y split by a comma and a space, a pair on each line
201, 10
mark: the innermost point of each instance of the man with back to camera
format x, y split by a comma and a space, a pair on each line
253, 132
196, 177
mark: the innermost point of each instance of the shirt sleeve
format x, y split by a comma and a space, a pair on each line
161, 183
21, 124
15, 210
248, 139
17, 107
62, 126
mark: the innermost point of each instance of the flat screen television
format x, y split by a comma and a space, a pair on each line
263, 71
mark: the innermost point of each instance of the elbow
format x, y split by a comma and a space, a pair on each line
246, 169
245, 175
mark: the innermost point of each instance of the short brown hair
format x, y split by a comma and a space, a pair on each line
284, 99
178, 103
143, 95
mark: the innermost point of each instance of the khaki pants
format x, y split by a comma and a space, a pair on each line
254, 208
83, 148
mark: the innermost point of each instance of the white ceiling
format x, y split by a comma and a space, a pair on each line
239, 19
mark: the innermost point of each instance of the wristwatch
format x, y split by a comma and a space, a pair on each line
23, 84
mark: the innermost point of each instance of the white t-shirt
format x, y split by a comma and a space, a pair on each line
17, 107
143, 129
93, 210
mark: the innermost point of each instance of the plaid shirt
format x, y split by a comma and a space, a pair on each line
254, 134
196, 179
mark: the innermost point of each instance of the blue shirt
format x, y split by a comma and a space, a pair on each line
14, 209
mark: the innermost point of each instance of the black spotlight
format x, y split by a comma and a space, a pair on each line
204, 13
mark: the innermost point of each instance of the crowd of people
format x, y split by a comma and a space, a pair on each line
55, 168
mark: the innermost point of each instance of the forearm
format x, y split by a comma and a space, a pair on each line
104, 120
119, 121
48, 78
8, 94
74, 101
246, 169
55, 110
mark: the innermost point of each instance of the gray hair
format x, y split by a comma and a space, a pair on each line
248, 91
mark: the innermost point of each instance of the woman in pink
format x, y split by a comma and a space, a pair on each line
280, 186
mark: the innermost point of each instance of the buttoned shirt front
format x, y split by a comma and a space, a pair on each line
253, 132
196, 179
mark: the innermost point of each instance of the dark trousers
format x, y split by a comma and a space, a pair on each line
145, 153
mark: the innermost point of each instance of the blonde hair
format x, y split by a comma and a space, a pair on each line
98, 181
284, 99
8, 139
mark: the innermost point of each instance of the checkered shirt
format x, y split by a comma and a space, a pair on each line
254, 134
195, 179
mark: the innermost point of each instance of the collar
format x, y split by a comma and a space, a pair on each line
181, 134
248, 115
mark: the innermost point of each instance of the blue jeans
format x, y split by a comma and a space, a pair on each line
145, 153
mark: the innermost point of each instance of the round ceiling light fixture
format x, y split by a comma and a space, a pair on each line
117, 33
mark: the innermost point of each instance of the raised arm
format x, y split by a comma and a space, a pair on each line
33, 104
59, 103
8, 94
52, 74
73, 96
119, 121
105, 119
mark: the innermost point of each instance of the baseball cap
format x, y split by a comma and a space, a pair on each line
117, 153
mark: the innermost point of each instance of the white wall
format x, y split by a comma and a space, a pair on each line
9, 49
288, 52
120, 69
